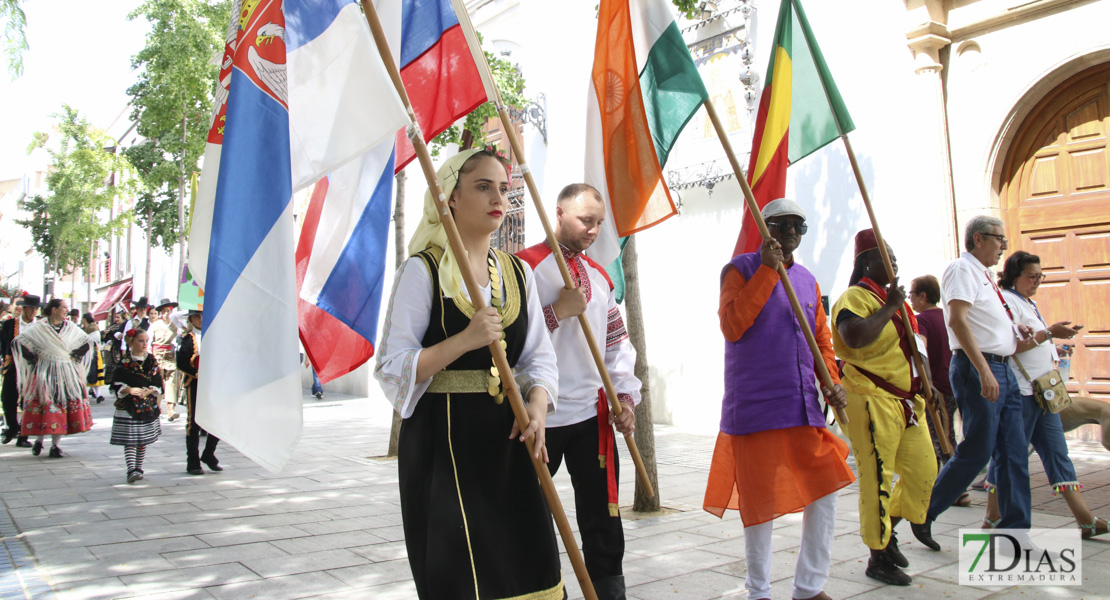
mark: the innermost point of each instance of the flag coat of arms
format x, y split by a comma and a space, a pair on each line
644, 88
800, 111
302, 92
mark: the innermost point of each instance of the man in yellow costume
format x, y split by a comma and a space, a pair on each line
887, 422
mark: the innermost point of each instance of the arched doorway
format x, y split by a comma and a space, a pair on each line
1055, 196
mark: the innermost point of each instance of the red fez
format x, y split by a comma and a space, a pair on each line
865, 240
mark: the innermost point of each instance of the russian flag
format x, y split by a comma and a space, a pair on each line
436, 66
303, 91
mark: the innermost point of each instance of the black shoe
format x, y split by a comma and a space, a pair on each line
924, 534
37, 448
99, 399
195, 471
9, 435
133, 476
211, 463
55, 452
22, 443
610, 588
881, 568
895, 554
319, 395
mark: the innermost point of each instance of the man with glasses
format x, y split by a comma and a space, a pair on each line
983, 337
774, 454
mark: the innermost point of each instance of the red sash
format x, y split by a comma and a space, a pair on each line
606, 450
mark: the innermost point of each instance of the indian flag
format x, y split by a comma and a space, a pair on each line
643, 90
799, 112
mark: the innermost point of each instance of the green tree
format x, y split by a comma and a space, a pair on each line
14, 23
84, 181
172, 104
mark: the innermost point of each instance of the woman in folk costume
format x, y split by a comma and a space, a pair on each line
775, 455
95, 379
476, 522
137, 384
52, 358
886, 411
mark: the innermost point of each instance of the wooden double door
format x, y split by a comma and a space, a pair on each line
1056, 202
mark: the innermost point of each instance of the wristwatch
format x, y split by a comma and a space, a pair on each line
1047, 335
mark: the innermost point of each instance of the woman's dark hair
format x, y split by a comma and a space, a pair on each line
1015, 266
88, 317
52, 305
928, 285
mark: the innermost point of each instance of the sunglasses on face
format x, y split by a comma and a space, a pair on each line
785, 226
1001, 238
1036, 277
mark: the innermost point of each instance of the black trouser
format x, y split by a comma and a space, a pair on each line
9, 396
192, 436
602, 534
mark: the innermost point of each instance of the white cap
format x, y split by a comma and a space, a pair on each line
782, 206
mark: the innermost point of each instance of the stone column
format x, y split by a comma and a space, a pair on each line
926, 42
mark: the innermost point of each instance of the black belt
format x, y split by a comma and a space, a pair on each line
994, 358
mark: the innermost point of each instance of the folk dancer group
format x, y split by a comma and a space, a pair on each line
463, 468
53, 366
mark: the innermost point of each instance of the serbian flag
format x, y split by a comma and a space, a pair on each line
799, 112
436, 67
302, 92
643, 90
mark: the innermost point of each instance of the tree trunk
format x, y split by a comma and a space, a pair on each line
91, 274
149, 234
645, 430
399, 245
181, 233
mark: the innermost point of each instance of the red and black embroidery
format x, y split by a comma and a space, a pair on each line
615, 333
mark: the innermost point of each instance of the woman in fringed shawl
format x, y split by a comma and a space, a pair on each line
476, 523
52, 358
137, 384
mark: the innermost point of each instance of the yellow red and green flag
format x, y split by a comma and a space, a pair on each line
800, 111
644, 89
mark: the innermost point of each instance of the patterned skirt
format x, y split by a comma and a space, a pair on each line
43, 417
127, 431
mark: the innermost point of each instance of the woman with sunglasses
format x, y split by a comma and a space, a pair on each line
1020, 279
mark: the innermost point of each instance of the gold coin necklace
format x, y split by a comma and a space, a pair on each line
495, 388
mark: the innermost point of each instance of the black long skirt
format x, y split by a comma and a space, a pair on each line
477, 526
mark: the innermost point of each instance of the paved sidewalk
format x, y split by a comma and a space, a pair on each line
329, 526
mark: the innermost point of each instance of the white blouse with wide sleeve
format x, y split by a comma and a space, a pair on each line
406, 322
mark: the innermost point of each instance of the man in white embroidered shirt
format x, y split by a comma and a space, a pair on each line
580, 432
983, 337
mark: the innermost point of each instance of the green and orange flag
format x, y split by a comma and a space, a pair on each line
799, 112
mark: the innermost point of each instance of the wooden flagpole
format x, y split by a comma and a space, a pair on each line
940, 419
499, 358
494, 95
753, 208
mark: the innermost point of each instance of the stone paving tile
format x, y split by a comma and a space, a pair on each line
146, 547
247, 535
382, 552
702, 585
113, 567
376, 574
304, 585
320, 542
176, 595
304, 563
179, 579
225, 554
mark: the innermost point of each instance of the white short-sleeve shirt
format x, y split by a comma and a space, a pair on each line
969, 280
